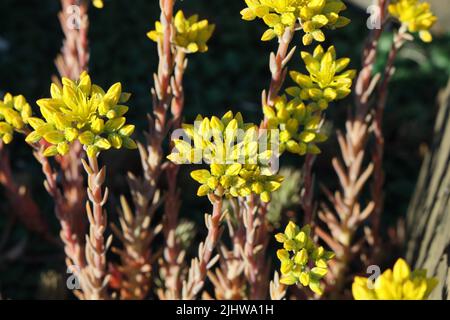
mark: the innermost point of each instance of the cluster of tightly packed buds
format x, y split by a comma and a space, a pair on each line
14, 114
309, 15
300, 127
98, 4
326, 82
302, 261
400, 283
298, 120
190, 34
416, 16
85, 112
230, 146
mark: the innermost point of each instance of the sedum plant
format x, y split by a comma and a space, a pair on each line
190, 34
80, 118
230, 147
414, 15
300, 127
399, 283
310, 16
85, 112
302, 261
327, 79
14, 115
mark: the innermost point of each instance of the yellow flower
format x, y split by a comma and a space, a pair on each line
230, 147
299, 125
14, 114
302, 261
309, 15
82, 111
327, 81
236, 180
415, 15
317, 14
397, 284
190, 34
98, 4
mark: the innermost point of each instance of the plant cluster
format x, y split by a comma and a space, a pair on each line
236, 172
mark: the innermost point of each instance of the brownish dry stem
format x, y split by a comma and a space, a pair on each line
378, 151
307, 191
228, 279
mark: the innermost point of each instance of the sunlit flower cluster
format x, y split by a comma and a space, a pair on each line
398, 284
191, 34
299, 125
85, 112
309, 15
327, 80
415, 15
231, 148
98, 4
302, 261
14, 114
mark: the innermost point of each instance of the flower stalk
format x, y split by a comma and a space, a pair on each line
96, 277
399, 40
204, 261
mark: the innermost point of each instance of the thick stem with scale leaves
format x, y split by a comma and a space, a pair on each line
204, 261
95, 281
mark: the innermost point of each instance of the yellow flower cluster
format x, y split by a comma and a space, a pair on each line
298, 124
230, 147
98, 4
309, 15
397, 284
190, 34
415, 15
299, 119
84, 111
302, 261
327, 81
14, 114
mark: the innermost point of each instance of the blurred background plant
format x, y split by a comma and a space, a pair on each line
232, 73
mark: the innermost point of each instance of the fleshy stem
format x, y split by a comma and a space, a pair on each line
72, 61
75, 259
277, 289
168, 93
137, 256
173, 262
255, 223
74, 20
399, 40
307, 192
278, 68
205, 261
96, 278
347, 215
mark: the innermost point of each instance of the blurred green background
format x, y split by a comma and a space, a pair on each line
230, 75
